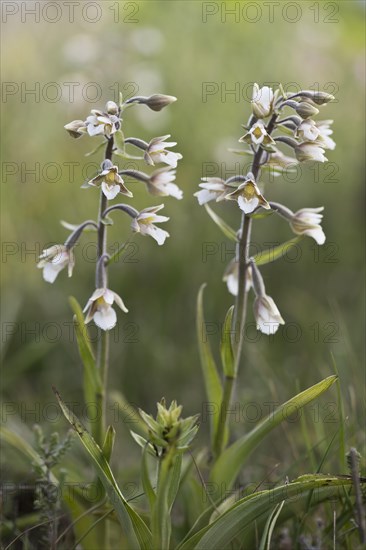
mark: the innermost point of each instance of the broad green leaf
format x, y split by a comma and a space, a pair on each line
225, 228
239, 520
271, 254
210, 374
137, 533
226, 347
230, 462
92, 383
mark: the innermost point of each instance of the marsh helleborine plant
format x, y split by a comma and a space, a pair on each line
307, 139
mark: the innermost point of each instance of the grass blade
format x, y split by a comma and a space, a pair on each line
229, 463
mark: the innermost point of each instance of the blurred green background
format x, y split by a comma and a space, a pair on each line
177, 48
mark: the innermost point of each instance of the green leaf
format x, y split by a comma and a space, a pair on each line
96, 149
242, 152
225, 228
210, 373
265, 543
136, 531
109, 442
119, 140
230, 462
226, 348
92, 383
174, 480
145, 478
253, 509
271, 254
160, 518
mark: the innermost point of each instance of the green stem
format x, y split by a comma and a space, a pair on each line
101, 532
240, 309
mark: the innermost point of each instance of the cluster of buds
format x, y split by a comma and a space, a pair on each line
308, 140
168, 431
107, 124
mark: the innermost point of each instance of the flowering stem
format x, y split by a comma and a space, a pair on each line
103, 336
240, 308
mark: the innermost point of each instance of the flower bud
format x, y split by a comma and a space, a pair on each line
320, 98
76, 128
306, 110
112, 108
157, 102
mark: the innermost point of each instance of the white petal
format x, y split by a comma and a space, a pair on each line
156, 233
232, 284
119, 302
95, 130
51, 270
317, 234
248, 206
105, 318
204, 196
108, 296
110, 191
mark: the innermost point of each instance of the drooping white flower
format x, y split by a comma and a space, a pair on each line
111, 182
248, 196
310, 151
307, 222
76, 128
100, 123
307, 130
262, 101
160, 183
212, 189
144, 223
55, 259
257, 135
156, 152
99, 308
231, 277
325, 131
266, 314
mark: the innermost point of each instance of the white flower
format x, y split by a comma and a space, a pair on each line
55, 259
307, 130
76, 128
102, 123
99, 308
212, 189
231, 277
111, 182
257, 135
144, 223
324, 132
310, 151
307, 222
262, 101
160, 183
156, 152
267, 316
248, 196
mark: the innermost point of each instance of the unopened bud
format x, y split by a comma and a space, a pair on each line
112, 108
76, 128
306, 110
155, 102
318, 97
